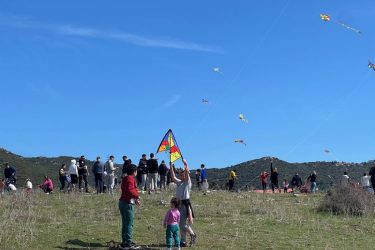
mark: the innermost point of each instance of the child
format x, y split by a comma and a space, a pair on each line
171, 222
286, 185
129, 198
29, 186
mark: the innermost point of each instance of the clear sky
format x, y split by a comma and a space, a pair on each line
93, 78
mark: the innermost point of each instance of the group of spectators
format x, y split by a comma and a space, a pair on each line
150, 175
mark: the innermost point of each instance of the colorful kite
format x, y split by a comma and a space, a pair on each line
169, 143
327, 18
242, 118
371, 65
240, 141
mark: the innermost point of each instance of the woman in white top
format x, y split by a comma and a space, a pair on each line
73, 172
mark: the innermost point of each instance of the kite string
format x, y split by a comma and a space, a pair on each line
328, 116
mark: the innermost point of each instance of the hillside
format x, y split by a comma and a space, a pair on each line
248, 172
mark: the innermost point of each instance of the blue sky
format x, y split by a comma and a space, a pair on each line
84, 77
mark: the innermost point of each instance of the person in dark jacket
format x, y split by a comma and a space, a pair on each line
152, 169
142, 172
296, 182
82, 173
372, 174
98, 171
163, 171
127, 163
274, 179
10, 173
312, 178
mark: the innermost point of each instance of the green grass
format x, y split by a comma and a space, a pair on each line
224, 221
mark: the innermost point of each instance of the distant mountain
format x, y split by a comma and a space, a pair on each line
248, 172
36, 167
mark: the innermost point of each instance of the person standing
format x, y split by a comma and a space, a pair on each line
198, 178
186, 209
98, 171
82, 173
73, 172
10, 173
129, 198
264, 180
286, 185
365, 181
163, 171
312, 179
142, 172
232, 179
110, 169
372, 174
345, 180
62, 177
125, 165
296, 181
274, 179
203, 174
152, 169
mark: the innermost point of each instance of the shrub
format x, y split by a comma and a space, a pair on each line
347, 200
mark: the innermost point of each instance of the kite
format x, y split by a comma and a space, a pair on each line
240, 141
217, 70
327, 18
204, 100
327, 151
242, 118
371, 65
169, 143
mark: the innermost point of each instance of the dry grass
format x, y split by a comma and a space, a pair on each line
224, 221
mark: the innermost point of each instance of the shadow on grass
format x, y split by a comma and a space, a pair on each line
87, 245
82, 245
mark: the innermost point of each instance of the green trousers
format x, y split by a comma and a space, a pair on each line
127, 217
173, 232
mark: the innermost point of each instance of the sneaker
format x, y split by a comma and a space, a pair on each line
193, 239
129, 246
183, 244
133, 245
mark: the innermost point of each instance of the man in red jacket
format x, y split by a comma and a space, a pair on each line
129, 198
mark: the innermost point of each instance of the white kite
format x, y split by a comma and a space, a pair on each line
217, 70
242, 118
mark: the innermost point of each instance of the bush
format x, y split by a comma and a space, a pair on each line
347, 200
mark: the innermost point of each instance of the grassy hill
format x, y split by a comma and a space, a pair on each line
248, 172
224, 220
